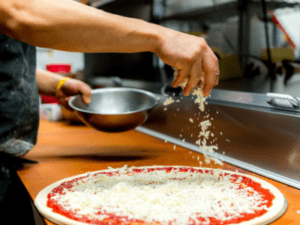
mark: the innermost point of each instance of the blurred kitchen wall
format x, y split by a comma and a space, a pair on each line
49, 56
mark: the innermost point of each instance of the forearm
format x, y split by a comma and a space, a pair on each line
47, 82
71, 26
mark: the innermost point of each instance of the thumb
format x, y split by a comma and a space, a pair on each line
86, 99
85, 91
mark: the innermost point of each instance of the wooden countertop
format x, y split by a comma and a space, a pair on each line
65, 150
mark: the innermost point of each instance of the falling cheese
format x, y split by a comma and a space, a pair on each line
204, 133
169, 101
200, 100
156, 195
205, 125
202, 143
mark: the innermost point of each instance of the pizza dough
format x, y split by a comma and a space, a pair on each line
160, 194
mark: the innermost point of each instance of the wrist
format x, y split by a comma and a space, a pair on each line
154, 37
160, 37
60, 84
47, 82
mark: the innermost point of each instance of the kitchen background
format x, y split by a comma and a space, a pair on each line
234, 29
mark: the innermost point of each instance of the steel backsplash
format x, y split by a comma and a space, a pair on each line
249, 134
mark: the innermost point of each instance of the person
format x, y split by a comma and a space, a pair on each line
71, 26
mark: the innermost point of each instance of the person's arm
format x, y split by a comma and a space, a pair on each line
71, 26
47, 85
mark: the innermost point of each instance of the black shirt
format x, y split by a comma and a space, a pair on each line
19, 99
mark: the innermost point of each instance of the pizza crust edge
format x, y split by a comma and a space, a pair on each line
276, 210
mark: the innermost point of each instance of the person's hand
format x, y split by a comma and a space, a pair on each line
73, 87
192, 58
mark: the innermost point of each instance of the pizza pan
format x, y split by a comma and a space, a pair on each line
279, 204
284, 208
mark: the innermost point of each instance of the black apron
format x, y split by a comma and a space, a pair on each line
19, 99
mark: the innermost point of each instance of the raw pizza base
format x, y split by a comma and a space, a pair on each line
275, 211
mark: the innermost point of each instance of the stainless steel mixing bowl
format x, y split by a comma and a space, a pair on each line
115, 109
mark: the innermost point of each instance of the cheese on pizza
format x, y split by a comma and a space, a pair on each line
168, 195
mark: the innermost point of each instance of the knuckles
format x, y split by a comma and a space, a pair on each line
197, 49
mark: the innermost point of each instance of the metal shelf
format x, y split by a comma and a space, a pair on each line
206, 13
221, 11
211, 13
115, 3
99, 3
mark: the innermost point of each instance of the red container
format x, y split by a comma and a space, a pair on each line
59, 68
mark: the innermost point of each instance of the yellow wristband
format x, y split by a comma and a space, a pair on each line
61, 83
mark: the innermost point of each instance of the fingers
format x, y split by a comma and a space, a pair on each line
211, 68
194, 78
211, 81
180, 76
65, 103
217, 78
73, 87
204, 74
85, 91
198, 68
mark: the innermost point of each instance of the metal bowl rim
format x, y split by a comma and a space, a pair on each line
113, 90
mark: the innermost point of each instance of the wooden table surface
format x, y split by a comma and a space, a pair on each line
65, 150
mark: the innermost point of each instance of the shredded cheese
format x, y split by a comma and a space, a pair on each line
158, 196
204, 133
185, 81
200, 98
202, 143
169, 101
